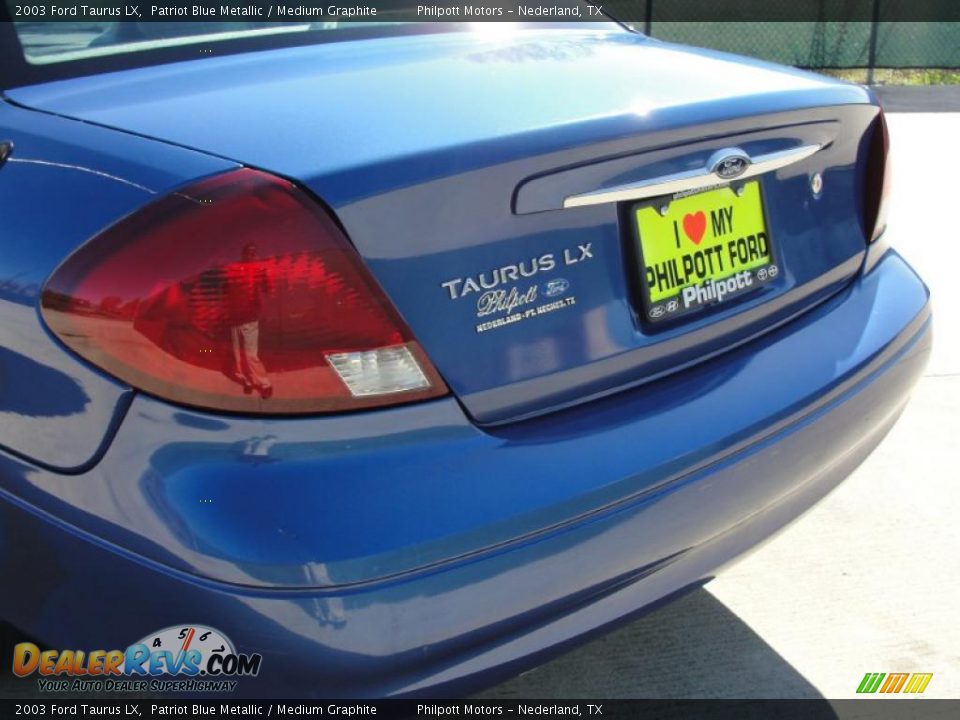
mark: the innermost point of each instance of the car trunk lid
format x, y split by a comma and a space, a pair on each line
449, 160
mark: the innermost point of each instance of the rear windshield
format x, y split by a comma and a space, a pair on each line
44, 43
38, 49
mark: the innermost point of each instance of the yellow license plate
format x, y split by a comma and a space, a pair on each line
703, 249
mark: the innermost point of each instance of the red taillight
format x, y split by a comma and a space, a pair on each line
237, 293
877, 188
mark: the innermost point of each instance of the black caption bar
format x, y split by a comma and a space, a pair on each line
633, 11
529, 709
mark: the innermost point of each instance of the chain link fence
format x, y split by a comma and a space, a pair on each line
827, 44
865, 40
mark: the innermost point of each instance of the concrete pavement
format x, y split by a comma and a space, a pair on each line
869, 580
919, 98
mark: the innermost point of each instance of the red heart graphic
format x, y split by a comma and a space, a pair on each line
694, 226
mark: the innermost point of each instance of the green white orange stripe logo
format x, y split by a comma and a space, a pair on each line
912, 683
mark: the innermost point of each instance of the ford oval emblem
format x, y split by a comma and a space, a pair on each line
729, 164
556, 287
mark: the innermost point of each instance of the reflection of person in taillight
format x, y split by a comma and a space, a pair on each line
245, 282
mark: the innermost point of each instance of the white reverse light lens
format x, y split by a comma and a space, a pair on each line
379, 372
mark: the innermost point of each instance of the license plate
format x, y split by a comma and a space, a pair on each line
705, 249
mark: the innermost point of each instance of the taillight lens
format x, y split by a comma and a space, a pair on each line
878, 180
237, 293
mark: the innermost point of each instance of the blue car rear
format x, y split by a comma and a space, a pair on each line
569, 459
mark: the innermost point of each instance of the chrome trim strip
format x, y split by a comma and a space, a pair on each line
690, 180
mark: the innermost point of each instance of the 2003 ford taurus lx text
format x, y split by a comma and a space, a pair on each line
393, 359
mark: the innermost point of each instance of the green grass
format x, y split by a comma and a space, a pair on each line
900, 76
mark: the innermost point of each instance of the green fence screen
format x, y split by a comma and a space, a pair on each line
838, 33
827, 44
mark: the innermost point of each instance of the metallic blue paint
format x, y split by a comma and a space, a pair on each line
396, 104
441, 131
562, 546
314, 502
413, 550
65, 182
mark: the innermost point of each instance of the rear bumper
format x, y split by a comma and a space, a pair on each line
411, 552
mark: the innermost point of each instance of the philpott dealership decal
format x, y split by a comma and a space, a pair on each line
513, 293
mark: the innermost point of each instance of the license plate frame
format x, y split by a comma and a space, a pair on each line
737, 272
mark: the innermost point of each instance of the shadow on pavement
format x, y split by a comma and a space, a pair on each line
692, 648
